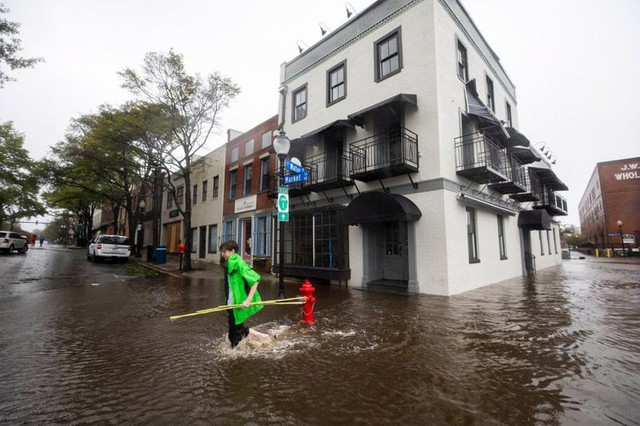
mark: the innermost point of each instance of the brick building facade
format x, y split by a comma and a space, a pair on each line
612, 195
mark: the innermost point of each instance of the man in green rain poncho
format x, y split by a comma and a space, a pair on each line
241, 288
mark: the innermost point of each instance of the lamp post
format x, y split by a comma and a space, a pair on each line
281, 145
624, 249
138, 239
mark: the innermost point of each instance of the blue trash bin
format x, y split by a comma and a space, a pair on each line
161, 254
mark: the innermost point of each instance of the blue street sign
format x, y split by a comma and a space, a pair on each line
293, 167
300, 177
614, 234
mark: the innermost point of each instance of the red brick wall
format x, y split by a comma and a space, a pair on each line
620, 184
263, 201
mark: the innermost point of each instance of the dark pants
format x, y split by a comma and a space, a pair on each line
236, 331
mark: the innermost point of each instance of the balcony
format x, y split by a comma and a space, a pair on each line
295, 189
328, 171
554, 204
532, 190
384, 155
516, 180
480, 159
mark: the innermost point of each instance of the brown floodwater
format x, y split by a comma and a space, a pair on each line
83, 342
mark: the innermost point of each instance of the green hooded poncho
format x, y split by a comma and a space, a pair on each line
239, 273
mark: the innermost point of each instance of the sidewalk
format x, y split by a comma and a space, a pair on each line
200, 269
633, 260
172, 267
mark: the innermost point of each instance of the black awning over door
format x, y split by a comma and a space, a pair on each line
375, 207
538, 220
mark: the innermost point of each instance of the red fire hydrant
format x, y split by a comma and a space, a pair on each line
307, 291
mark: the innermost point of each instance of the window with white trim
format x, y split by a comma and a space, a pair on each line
266, 139
233, 177
235, 154
262, 245
228, 231
216, 186
213, 238
248, 147
248, 175
265, 169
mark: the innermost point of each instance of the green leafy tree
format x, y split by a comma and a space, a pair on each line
98, 163
573, 240
191, 105
106, 159
10, 48
19, 179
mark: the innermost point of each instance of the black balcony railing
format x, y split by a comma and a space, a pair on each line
480, 159
384, 155
328, 171
532, 191
516, 177
554, 203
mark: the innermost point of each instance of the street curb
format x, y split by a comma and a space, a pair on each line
158, 269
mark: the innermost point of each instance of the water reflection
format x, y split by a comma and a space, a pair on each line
562, 347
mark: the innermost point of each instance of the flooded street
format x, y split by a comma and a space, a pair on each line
83, 342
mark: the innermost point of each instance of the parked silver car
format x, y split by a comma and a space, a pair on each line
116, 247
10, 241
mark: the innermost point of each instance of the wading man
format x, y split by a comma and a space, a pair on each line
241, 288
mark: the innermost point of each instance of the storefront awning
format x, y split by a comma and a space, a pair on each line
526, 155
376, 207
491, 123
534, 219
517, 138
549, 177
402, 98
477, 108
335, 124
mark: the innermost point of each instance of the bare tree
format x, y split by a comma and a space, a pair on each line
192, 106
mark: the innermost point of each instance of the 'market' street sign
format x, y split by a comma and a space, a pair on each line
300, 177
299, 174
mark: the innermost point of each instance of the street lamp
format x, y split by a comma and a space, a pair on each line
281, 145
138, 239
624, 249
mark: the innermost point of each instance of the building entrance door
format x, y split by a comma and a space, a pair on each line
246, 242
529, 258
395, 256
202, 253
173, 236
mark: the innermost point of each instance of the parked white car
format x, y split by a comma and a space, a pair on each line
10, 241
116, 247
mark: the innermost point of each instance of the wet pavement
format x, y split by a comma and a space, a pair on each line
83, 342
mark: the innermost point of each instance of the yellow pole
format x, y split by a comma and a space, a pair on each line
289, 301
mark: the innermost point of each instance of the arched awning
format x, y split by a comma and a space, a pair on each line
538, 220
376, 206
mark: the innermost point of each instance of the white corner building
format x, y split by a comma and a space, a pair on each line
419, 178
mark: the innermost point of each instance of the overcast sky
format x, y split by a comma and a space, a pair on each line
575, 64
